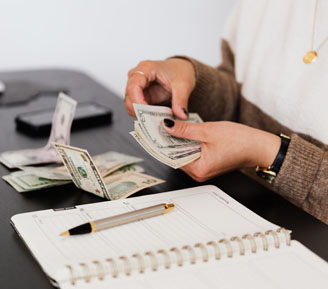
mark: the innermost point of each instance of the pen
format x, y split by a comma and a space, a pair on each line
121, 219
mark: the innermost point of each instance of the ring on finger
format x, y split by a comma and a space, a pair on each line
139, 72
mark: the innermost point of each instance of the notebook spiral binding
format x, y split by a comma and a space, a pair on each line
112, 265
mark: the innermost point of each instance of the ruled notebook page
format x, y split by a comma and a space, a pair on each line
202, 214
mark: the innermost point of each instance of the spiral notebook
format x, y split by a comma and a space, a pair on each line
208, 241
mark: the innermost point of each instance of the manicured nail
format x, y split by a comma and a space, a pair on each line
186, 112
168, 122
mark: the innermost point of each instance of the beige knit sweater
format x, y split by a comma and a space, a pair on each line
219, 95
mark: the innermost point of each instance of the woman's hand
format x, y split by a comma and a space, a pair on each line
153, 82
225, 146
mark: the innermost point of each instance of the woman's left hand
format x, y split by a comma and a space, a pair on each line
225, 146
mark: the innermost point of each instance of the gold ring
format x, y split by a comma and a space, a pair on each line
139, 72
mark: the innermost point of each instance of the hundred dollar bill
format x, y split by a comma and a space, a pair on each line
23, 181
82, 169
149, 133
60, 133
123, 185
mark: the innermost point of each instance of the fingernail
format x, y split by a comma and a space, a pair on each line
168, 122
186, 112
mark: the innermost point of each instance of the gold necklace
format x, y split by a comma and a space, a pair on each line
312, 55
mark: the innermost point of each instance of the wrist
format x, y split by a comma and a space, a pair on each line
270, 172
270, 148
265, 147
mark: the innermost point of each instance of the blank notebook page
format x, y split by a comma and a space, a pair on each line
202, 214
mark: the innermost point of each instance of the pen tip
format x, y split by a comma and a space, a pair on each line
65, 234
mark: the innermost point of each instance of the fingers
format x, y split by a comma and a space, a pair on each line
138, 79
192, 131
174, 76
134, 92
180, 96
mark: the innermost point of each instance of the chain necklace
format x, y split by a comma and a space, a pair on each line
312, 55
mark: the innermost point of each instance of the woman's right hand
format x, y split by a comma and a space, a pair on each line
153, 82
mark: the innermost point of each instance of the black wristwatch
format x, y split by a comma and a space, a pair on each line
270, 173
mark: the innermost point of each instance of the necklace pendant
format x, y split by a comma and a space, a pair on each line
310, 57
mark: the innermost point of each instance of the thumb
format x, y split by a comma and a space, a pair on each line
191, 131
180, 96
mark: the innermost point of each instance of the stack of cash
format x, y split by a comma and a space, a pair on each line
149, 133
87, 176
110, 175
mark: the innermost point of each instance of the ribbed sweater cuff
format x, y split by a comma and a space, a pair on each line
298, 171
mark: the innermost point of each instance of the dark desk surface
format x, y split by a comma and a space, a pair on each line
18, 269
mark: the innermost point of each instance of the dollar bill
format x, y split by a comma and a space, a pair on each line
107, 163
11, 181
82, 169
23, 181
150, 121
168, 161
149, 133
111, 161
86, 175
36, 178
129, 168
60, 133
51, 173
123, 185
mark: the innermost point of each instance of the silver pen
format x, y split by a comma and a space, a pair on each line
117, 220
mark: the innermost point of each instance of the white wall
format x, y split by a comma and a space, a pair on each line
106, 38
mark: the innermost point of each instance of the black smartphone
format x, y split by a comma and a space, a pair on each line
38, 123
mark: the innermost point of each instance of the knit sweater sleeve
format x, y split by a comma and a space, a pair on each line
303, 177
216, 93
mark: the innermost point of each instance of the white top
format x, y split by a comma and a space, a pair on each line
269, 39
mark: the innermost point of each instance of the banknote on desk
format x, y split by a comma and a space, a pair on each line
107, 163
23, 181
86, 175
149, 133
33, 178
37, 178
60, 132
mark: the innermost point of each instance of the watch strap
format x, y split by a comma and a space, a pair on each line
276, 165
270, 173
